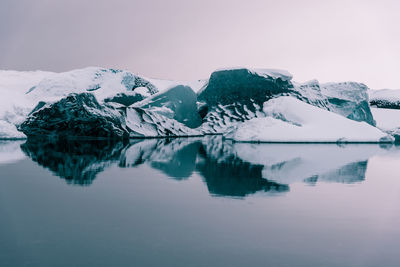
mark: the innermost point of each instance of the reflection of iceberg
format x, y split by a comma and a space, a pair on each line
10, 151
234, 177
348, 174
288, 163
227, 168
175, 157
78, 162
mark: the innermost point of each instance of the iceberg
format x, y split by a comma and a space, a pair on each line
291, 120
236, 95
241, 103
22, 91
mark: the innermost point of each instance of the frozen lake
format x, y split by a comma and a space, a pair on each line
198, 202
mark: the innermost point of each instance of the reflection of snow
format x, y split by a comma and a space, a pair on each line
10, 151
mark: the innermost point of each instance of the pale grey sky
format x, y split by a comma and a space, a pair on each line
328, 40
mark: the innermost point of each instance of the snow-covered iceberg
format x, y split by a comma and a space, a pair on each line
232, 100
21, 92
237, 95
288, 119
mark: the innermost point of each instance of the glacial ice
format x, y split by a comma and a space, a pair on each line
244, 104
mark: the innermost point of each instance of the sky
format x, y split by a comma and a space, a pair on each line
341, 40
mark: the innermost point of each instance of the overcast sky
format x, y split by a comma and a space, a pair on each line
328, 40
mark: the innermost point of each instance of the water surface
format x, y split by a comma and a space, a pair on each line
198, 202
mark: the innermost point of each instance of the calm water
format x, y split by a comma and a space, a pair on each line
198, 202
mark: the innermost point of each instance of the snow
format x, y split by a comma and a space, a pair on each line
386, 119
291, 120
103, 83
13, 102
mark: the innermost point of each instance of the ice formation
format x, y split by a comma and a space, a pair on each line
244, 104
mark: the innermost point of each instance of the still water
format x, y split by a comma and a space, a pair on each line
198, 202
